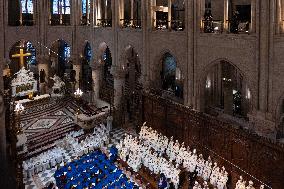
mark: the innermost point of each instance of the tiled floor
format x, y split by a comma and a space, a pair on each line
47, 176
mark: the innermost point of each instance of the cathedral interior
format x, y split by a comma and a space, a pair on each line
176, 94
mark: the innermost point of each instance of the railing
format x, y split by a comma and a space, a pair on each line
65, 21
238, 27
212, 26
160, 24
24, 22
217, 26
85, 21
177, 25
104, 23
131, 23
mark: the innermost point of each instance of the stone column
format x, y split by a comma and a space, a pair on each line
106, 8
121, 11
96, 75
77, 69
253, 16
118, 76
131, 12
226, 15
263, 54
169, 13
228, 97
278, 16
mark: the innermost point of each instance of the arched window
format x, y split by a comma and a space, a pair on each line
131, 14
171, 76
167, 15
103, 13
59, 55
60, 12
23, 54
226, 91
233, 16
86, 10
21, 12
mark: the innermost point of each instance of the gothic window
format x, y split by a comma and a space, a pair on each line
233, 16
21, 12
60, 53
86, 10
26, 50
168, 16
60, 12
171, 76
178, 15
226, 91
132, 14
104, 13
27, 6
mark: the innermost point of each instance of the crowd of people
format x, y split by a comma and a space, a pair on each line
241, 184
97, 139
183, 157
43, 161
137, 152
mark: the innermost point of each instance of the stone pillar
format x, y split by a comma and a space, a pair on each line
253, 16
132, 11
106, 8
228, 97
226, 15
118, 76
96, 75
169, 13
263, 54
77, 69
278, 20
121, 11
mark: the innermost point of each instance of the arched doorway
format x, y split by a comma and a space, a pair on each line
132, 93
22, 54
60, 53
225, 91
106, 84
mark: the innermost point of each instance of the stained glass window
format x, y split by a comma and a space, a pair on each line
31, 59
67, 52
27, 6
61, 7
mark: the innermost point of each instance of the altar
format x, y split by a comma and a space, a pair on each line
24, 83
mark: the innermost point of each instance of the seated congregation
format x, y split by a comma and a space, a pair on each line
148, 160
93, 170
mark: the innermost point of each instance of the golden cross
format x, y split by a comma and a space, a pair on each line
21, 56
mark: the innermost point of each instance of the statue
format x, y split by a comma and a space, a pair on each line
58, 83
